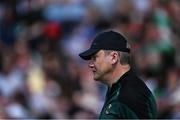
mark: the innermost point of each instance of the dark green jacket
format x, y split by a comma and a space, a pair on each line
129, 98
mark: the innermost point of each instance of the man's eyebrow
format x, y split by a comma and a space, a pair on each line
94, 55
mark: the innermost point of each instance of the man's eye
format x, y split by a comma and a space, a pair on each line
94, 57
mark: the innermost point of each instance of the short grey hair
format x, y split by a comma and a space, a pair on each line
124, 57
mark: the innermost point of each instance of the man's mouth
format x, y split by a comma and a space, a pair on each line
93, 71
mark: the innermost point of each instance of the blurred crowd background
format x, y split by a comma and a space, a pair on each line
41, 74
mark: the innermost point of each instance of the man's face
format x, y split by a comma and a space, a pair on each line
100, 64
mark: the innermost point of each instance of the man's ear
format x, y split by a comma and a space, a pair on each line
114, 57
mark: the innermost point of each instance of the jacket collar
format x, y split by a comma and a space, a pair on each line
121, 80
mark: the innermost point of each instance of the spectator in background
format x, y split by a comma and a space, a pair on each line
7, 26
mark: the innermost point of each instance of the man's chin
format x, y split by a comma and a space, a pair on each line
96, 79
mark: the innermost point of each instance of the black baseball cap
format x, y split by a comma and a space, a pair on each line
108, 40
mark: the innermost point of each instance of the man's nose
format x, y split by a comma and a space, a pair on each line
91, 64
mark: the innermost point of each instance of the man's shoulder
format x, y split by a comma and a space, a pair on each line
133, 84
136, 95
134, 88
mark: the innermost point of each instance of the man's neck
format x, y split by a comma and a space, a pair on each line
117, 73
